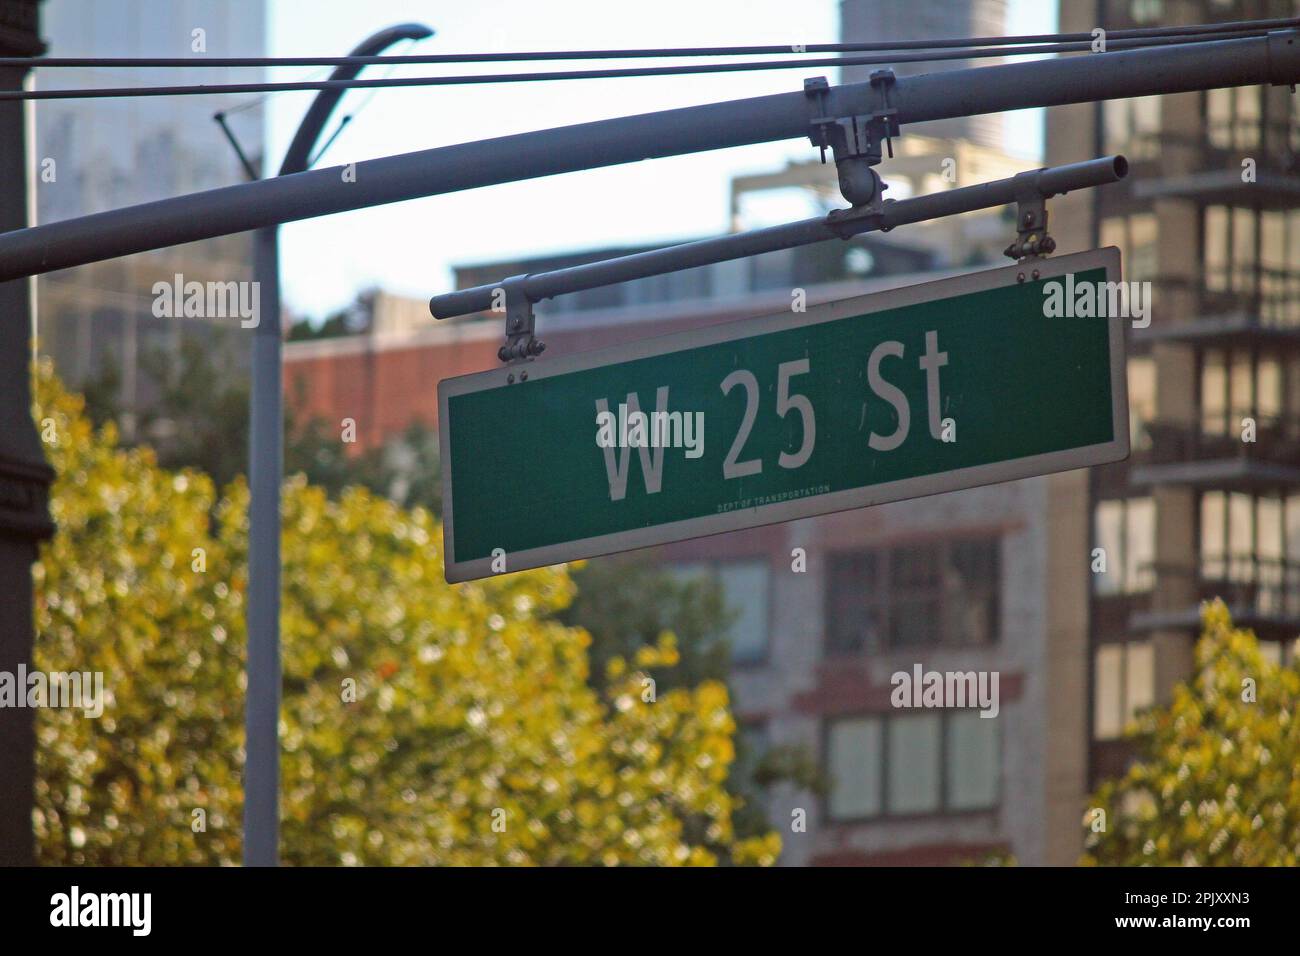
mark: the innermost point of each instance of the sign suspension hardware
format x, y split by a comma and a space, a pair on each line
522, 344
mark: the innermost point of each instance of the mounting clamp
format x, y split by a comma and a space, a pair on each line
847, 223
1031, 221
521, 324
855, 141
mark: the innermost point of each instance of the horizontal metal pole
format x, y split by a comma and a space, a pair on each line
1047, 182
1272, 59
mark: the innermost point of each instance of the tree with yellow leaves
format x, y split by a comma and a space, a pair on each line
1217, 779
422, 723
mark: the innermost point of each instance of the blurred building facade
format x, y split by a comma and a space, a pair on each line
88, 155
1208, 505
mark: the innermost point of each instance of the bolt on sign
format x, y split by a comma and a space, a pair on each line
950, 384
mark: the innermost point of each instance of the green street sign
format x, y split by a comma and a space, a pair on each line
966, 381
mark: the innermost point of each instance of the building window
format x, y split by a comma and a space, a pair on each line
1136, 237
914, 764
1229, 249
914, 595
856, 604
912, 770
1232, 117
972, 748
1237, 384
743, 587
1293, 126
1238, 530
1284, 653
1124, 683
1125, 530
855, 759
1253, 253
1146, 11
1141, 400
1279, 277
1250, 551
1132, 126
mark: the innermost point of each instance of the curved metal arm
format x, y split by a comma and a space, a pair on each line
309, 130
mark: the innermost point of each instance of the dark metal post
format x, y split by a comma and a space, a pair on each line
24, 475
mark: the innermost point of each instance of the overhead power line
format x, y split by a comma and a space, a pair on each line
595, 74
1205, 29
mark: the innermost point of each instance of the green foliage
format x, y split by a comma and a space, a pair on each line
102, 391
200, 419
333, 327
405, 469
421, 723
628, 603
1215, 783
349, 320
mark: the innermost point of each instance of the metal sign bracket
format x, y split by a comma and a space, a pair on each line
522, 345
1032, 239
855, 141
853, 135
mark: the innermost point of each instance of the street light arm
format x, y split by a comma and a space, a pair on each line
309, 130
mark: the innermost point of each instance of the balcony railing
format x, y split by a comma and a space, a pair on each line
1230, 136
1260, 591
1220, 436
1113, 611
1271, 303
1220, 144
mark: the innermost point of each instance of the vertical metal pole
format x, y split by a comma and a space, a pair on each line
24, 475
265, 466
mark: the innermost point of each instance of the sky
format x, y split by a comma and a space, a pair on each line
410, 248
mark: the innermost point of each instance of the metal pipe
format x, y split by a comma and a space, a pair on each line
1047, 182
1273, 59
262, 614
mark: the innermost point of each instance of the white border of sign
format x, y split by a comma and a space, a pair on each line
960, 478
